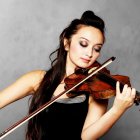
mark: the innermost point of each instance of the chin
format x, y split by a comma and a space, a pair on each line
84, 65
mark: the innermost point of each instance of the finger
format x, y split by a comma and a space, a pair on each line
128, 92
118, 87
124, 89
133, 93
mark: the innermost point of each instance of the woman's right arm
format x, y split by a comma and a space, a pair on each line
24, 86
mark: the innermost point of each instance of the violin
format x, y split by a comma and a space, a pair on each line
100, 86
96, 81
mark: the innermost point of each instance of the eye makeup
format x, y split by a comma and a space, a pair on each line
97, 48
84, 42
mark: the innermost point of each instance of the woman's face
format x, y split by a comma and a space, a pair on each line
84, 47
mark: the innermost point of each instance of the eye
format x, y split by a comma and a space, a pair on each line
97, 49
83, 43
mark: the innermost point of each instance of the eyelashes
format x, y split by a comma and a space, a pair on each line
97, 50
84, 45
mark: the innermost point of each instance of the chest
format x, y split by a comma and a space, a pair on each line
60, 88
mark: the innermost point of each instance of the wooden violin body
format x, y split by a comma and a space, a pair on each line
101, 86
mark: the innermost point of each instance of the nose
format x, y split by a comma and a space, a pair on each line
89, 52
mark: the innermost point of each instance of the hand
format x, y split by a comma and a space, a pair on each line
125, 99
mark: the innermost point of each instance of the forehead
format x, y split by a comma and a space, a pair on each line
90, 33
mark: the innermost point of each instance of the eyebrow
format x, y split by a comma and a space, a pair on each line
84, 38
89, 41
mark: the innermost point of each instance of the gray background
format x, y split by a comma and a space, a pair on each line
29, 31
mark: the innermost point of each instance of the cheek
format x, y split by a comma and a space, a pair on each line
95, 56
75, 50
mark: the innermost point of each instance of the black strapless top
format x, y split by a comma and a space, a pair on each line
65, 119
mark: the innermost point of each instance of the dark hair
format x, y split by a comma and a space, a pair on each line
56, 73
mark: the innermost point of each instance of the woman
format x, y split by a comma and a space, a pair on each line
81, 117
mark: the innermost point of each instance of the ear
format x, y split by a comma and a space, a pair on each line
66, 44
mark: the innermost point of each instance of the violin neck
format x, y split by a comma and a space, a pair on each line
137, 98
137, 93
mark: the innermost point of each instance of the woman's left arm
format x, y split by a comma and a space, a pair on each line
98, 121
95, 111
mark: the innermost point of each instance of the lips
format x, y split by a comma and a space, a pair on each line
85, 60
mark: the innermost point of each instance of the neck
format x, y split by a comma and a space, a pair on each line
69, 70
70, 67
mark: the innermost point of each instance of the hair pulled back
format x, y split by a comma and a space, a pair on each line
36, 126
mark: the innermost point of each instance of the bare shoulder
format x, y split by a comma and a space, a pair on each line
35, 74
34, 78
23, 86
